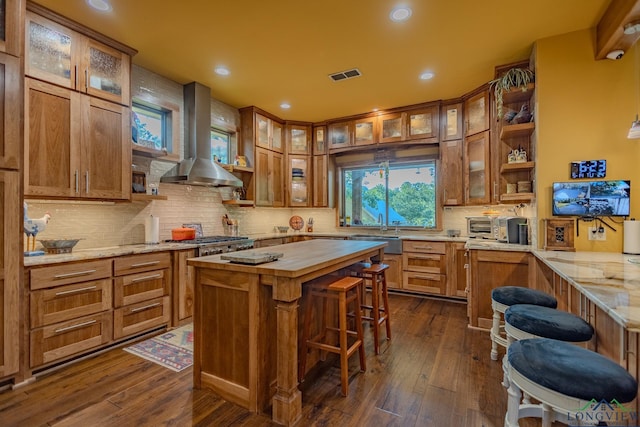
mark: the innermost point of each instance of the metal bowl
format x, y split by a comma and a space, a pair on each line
59, 246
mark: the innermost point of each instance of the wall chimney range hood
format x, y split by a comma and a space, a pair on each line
199, 169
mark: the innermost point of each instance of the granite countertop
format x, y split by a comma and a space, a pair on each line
494, 245
344, 235
111, 251
610, 280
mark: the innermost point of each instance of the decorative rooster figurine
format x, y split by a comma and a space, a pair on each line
33, 227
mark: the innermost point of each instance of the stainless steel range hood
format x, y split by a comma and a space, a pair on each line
199, 169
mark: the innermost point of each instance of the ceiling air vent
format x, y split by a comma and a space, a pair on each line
343, 75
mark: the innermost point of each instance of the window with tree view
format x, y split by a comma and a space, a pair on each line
395, 194
152, 126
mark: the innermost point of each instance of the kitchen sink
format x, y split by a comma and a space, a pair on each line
394, 244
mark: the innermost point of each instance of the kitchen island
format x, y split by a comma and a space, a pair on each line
246, 321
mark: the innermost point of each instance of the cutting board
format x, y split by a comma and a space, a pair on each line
252, 258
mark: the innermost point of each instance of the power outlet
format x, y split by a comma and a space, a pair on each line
597, 233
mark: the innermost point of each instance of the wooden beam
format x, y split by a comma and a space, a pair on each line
610, 34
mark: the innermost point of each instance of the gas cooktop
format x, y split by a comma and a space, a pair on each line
208, 239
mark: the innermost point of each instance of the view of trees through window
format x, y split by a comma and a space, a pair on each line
150, 126
220, 146
396, 194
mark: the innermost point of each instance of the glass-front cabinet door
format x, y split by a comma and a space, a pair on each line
364, 131
262, 131
276, 136
476, 113
10, 29
105, 72
451, 122
299, 138
476, 168
340, 135
392, 127
423, 124
49, 51
299, 184
319, 140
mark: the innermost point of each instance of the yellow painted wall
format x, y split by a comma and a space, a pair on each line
584, 110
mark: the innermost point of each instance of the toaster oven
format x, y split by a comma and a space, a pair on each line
483, 227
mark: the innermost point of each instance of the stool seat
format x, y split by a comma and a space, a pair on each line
548, 323
572, 370
511, 295
375, 268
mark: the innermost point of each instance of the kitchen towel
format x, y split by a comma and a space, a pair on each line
152, 230
631, 237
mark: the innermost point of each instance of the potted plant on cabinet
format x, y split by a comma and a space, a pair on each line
512, 78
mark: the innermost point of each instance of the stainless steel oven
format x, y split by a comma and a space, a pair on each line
483, 227
212, 245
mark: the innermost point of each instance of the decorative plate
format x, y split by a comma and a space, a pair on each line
296, 222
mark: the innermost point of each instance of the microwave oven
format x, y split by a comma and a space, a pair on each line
482, 227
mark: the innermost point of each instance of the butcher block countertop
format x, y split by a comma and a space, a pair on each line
297, 259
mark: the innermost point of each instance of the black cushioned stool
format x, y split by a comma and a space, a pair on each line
506, 296
564, 378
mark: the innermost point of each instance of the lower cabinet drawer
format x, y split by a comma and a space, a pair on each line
54, 342
68, 302
425, 282
141, 316
428, 263
140, 287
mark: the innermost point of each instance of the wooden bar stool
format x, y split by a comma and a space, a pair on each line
346, 291
375, 273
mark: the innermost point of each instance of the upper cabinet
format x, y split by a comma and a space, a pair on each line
476, 113
346, 134
319, 140
76, 146
62, 56
422, 124
268, 133
298, 138
451, 121
11, 108
477, 170
11, 17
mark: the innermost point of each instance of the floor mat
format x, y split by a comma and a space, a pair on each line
172, 349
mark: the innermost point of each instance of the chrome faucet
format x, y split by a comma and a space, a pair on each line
383, 227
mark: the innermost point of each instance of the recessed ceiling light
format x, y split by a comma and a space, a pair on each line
101, 5
400, 13
222, 71
428, 75
285, 106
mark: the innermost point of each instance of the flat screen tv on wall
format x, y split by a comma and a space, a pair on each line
591, 198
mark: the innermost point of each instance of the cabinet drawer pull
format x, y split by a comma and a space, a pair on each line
144, 264
146, 307
433, 257
424, 277
75, 273
140, 279
79, 325
74, 291
423, 247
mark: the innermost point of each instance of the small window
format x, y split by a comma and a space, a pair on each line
220, 146
153, 126
401, 194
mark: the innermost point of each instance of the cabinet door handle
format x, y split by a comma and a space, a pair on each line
144, 264
75, 72
79, 325
75, 273
75, 291
86, 79
86, 180
77, 177
140, 279
146, 307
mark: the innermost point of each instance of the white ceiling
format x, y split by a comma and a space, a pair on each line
283, 50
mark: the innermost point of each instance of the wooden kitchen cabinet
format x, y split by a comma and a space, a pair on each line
451, 154
268, 133
10, 270
476, 113
393, 127
457, 270
183, 283
10, 111
319, 140
451, 121
320, 173
394, 272
70, 308
347, 134
298, 138
477, 169
12, 14
493, 269
76, 146
67, 58
423, 124
142, 286
269, 178
299, 181
424, 266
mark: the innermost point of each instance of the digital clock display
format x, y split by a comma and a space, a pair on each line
589, 169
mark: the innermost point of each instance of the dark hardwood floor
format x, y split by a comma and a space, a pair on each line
434, 372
